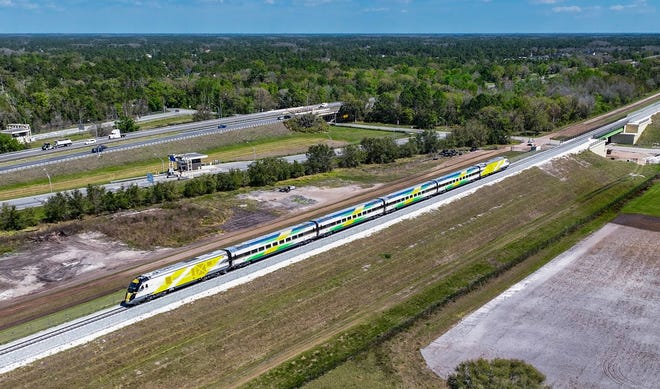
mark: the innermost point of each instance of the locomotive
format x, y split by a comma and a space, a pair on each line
161, 281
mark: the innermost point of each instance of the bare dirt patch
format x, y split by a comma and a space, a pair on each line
587, 319
303, 198
58, 260
644, 222
274, 210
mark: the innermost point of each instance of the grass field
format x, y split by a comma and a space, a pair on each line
646, 204
374, 302
651, 135
266, 141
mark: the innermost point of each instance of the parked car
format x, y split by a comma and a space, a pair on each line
287, 189
99, 148
90, 141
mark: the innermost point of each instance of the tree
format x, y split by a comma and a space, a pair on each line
352, 156
307, 123
231, 180
427, 142
379, 150
202, 113
407, 150
56, 208
319, 159
10, 218
473, 134
497, 373
9, 143
126, 124
268, 171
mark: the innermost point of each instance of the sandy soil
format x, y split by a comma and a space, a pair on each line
588, 319
305, 197
57, 260
89, 266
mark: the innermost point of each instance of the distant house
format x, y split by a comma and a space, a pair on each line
20, 132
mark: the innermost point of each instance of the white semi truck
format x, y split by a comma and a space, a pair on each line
116, 134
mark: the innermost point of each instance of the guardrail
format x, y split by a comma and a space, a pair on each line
197, 133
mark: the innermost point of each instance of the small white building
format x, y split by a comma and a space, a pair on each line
20, 132
186, 162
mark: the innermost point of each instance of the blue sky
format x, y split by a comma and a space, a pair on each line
329, 16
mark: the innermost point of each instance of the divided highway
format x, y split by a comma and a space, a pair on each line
23, 351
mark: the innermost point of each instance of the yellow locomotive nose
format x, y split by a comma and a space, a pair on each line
129, 297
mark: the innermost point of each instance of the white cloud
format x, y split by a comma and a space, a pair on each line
18, 4
635, 6
546, 1
375, 9
571, 8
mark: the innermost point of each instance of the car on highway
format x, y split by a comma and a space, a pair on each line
99, 148
47, 146
222, 126
90, 141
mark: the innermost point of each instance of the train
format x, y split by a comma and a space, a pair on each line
179, 275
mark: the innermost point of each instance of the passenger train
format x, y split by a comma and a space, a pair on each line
161, 281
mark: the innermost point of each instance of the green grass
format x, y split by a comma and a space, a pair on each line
312, 317
147, 125
136, 163
391, 363
646, 204
651, 135
60, 317
497, 259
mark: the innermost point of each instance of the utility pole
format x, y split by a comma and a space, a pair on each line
162, 163
50, 183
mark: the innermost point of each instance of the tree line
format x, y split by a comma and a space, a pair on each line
487, 86
96, 200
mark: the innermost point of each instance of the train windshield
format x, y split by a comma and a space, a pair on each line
134, 286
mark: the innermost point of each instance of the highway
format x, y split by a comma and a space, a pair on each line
79, 331
68, 335
38, 157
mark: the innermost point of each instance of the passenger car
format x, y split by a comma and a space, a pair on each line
99, 148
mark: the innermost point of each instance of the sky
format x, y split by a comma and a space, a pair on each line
329, 16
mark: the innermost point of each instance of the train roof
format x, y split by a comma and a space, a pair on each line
348, 211
457, 173
269, 237
185, 263
404, 191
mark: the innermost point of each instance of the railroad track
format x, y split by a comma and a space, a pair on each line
59, 330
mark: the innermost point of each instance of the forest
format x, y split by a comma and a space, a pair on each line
484, 87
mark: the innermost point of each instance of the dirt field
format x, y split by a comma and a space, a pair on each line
588, 319
107, 274
235, 336
58, 261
